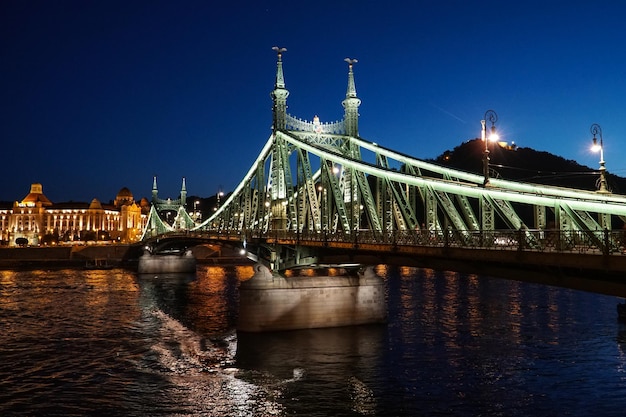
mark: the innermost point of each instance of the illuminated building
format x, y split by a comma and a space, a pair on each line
41, 222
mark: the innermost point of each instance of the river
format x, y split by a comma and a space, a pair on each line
81, 343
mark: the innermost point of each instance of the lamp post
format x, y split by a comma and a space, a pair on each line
195, 210
596, 130
220, 194
492, 117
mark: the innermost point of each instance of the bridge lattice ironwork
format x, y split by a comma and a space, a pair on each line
161, 209
323, 179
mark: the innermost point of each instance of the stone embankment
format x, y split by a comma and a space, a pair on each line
64, 256
117, 255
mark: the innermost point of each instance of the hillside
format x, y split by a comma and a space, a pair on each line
529, 165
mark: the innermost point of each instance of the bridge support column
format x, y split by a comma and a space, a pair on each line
279, 214
269, 302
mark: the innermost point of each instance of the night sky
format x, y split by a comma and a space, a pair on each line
100, 95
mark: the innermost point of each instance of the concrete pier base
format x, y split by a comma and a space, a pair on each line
162, 264
269, 302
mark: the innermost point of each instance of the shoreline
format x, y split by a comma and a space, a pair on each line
118, 255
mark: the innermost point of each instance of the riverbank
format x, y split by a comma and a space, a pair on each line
119, 255
63, 256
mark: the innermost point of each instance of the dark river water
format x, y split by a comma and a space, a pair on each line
76, 343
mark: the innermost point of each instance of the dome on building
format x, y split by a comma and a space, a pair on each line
36, 196
95, 205
124, 197
145, 205
124, 193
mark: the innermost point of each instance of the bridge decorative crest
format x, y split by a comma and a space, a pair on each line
315, 126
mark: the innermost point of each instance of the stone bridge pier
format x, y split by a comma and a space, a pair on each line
271, 302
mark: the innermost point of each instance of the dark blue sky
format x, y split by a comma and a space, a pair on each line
97, 95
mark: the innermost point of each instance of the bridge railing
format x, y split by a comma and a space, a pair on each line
600, 242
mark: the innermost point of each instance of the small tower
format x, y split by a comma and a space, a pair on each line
351, 103
183, 194
279, 94
155, 191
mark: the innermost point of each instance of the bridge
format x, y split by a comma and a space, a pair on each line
321, 185
320, 194
174, 208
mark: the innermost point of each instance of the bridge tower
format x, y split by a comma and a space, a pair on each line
352, 197
168, 215
280, 175
351, 103
280, 93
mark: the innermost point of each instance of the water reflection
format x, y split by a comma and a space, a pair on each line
188, 312
165, 292
114, 343
332, 368
501, 347
206, 301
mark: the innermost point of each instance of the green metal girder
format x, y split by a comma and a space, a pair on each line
155, 225
307, 194
584, 223
385, 196
183, 219
453, 214
337, 196
368, 201
487, 214
540, 217
471, 220
430, 203
507, 212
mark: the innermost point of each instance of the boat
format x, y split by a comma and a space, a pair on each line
98, 263
170, 261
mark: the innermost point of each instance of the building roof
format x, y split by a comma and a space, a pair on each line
95, 205
124, 193
36, 196
71, 205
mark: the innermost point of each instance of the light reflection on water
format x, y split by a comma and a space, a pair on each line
114, 343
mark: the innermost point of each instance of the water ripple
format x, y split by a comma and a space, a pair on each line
77, 343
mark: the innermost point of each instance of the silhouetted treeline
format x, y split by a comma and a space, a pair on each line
528, 165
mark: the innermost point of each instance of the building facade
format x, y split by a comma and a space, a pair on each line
35, 220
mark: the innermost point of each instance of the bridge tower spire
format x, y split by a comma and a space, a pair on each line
155, 191
183, 194
279, 94
351, 103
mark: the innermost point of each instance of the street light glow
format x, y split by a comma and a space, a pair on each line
596, 130
490, 116
493, 136
595, 147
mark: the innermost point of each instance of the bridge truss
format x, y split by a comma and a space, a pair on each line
160, 208
323, 178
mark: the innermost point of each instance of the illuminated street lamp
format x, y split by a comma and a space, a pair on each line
492, 117
595, 147
220, 194
195, 210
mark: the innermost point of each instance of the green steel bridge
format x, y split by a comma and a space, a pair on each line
319, 193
